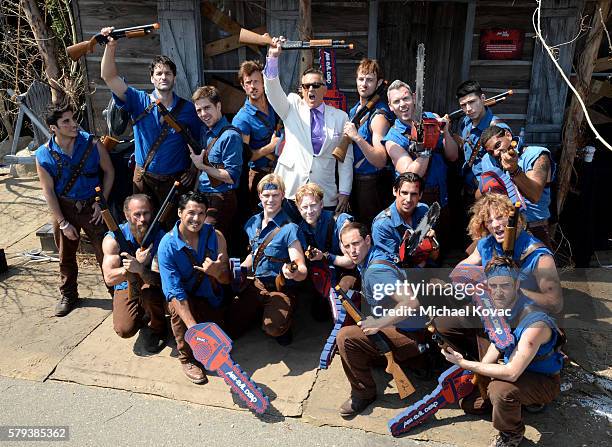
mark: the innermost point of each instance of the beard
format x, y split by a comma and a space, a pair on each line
139, 233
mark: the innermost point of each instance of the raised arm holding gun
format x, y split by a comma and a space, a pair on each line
251, 38
76, 51
161, 154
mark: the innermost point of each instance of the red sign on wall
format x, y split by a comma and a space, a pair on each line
501, 44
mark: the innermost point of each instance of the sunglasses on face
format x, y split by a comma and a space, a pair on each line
314, 85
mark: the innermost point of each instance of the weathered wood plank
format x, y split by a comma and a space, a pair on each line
181, 40
227, 44
223, 21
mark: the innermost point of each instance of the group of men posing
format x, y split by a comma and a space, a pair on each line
294, 205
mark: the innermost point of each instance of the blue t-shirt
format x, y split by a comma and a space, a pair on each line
86, 182
173, 155
278, 248
527, 252
374, 278
226, 151
471, 136
388, 228
129, 237
260, 127
435, 176
318, 237
176, 270
361, 164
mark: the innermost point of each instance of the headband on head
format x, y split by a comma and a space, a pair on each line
269, 187
503, 271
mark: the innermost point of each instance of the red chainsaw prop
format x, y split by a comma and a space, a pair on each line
211, 347
427, 132
454, 384
334, 97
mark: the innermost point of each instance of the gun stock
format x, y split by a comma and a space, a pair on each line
280, 280
510, 231
76, 51
250, 38
404, 386
340, 151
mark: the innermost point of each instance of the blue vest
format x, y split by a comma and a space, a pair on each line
548, 360
361, 163
527, 251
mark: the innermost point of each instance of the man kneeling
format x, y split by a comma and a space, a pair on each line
137, 287
528, 373
193, 265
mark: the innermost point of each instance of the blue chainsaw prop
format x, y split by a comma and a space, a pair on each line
329, 350
211, 347
454, 384
497, 327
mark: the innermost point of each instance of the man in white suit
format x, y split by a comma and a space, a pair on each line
312, 131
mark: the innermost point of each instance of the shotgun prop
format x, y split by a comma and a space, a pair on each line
404, 386
189, 139
147, 240
339, 152
76, 51
250, 38
124, 245
493, 100
510, 231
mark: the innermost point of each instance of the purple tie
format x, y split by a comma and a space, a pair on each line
316, 130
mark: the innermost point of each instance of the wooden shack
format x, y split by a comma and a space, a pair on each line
201, 37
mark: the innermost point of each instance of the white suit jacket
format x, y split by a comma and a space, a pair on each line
297, 164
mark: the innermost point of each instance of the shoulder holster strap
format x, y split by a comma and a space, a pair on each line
76, 169
163, 134
199, 275
260, 250
388, 264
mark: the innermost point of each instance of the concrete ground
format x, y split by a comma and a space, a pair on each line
75, 371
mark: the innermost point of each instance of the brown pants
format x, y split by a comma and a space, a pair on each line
129, 311
221, 213
78, 213
202, 312
370, 195
507, 398
358, 353
277, 306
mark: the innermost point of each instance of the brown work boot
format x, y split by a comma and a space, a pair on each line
65, 305
507, 439
194, 373
354, 405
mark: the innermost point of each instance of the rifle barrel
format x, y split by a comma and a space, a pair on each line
162, 209
495, 100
